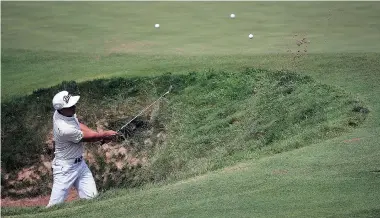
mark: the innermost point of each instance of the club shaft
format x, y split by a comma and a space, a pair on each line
142, 111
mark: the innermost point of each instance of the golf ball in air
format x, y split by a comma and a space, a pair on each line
232, 15
250, 36
157, 25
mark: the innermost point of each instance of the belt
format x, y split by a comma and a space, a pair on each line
69, 161
78, 160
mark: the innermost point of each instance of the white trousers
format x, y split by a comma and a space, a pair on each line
66, 175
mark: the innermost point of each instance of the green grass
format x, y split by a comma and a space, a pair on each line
82, 41
86, 40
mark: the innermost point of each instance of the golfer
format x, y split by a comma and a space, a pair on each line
69, 168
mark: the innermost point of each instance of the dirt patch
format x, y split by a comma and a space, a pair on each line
108, 162
29, 181
36, 201
298, 49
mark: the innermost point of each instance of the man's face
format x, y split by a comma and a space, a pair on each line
72, 109
69, 111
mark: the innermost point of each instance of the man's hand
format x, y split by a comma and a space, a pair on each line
108, 136
90, 135
109, 133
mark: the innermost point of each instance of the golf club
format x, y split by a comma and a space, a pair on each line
119, 131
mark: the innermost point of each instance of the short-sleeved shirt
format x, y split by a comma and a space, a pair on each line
67, 136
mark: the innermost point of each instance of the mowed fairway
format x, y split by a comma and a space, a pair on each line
45, 43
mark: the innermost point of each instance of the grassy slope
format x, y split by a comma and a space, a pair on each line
333, 178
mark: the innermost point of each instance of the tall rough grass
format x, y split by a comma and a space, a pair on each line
210, 120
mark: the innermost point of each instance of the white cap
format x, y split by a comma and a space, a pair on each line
64, 100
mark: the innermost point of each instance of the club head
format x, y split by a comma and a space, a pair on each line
170, 89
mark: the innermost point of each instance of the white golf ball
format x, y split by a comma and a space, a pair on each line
157, 25
250, 36
232, 15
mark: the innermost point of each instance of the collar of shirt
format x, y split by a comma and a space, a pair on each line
60, 116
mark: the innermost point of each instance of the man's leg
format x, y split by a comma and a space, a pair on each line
64, 177
85, 184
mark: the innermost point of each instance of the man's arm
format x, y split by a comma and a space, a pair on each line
90, 135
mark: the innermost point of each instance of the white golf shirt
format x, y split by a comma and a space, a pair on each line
67, 136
